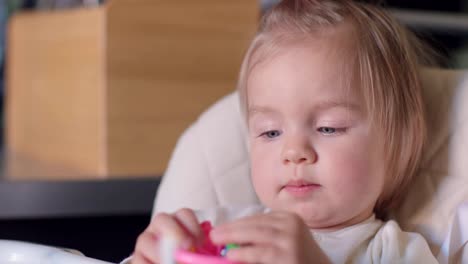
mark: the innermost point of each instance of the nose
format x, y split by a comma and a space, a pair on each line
298, 151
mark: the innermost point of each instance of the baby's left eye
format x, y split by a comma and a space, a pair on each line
327, 130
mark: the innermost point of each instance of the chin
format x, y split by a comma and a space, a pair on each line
316, 217
310, 213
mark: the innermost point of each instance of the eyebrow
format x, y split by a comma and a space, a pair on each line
252, 110
327, 104
321, 106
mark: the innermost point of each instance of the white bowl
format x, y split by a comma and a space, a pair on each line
17, 252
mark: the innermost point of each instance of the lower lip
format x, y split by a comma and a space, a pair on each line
302, 190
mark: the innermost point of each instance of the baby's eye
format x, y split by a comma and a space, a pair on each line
271, 134
327, 130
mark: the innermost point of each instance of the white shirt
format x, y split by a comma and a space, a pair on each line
371, 241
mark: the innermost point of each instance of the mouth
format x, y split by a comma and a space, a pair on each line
300, 188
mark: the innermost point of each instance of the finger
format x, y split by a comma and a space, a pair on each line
272, 219
138, 259
187, 219
254, 254
276, 220
146, 248
247, 221
167, 225
247, 233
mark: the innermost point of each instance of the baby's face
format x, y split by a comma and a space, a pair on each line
312, 149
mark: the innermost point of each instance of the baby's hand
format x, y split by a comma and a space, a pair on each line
182, 226
277, 237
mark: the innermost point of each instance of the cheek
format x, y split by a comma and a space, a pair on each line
262, 168
355, 170
263, 157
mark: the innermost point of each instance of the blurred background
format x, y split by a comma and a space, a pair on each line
99, 199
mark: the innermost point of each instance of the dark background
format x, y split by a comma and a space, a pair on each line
109, 238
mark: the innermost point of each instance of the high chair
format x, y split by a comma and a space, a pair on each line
210, 167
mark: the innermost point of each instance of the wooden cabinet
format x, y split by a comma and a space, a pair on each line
106, 92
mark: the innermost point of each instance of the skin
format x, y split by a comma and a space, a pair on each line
313, 154
305, 125
315, 163
182, 226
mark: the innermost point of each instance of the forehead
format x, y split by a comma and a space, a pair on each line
302, 73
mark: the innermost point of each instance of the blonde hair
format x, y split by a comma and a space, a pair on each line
386, 64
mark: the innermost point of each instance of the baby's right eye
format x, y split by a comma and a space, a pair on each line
271, 134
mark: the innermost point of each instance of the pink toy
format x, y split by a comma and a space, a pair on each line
207, 253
